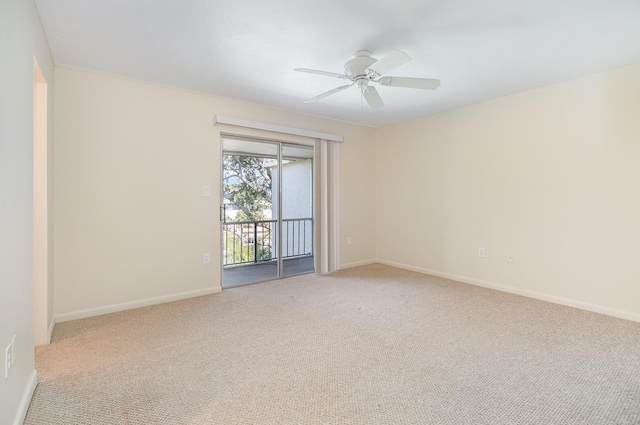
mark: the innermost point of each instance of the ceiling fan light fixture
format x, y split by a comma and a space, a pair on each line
362, 84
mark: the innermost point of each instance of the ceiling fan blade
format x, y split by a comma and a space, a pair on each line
389, 62
327, 93
325, 73
412, 83
372, 97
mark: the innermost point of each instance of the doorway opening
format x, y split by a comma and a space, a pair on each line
267, 210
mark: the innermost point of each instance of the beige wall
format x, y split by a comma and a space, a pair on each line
21, 40
131, 159
551, 175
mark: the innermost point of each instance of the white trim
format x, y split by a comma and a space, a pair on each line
90, 312
622, 314
357, 264
26, 398
51, 327
238, 122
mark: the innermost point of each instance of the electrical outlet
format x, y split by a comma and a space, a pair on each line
349, 241
7, 360
206, 258
481, 252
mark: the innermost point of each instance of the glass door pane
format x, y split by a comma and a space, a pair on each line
249, 227
297, 209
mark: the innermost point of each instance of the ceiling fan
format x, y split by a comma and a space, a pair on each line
363, 69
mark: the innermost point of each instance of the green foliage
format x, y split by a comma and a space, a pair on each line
238, 250
241, 216
247, 184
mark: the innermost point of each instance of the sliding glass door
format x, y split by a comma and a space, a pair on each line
267, 210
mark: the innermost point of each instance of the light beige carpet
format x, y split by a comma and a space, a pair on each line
371, 345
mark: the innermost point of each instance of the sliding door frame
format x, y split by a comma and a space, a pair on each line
280, 145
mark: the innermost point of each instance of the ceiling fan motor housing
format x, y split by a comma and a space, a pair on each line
356, 67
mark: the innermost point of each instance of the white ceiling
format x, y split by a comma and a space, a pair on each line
247, 49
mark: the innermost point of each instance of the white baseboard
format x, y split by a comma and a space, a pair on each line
26, 398
622, 314
52, 326
97, 311
357, 264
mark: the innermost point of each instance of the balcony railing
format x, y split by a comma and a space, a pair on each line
255, 241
